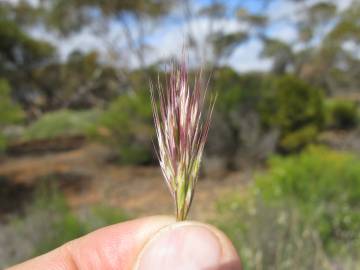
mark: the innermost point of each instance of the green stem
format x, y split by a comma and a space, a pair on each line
181, 207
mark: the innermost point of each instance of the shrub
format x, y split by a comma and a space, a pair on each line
66, 225
47, 223
324, 185
62, 225
127, 127
299, 138
270, 238
255, 105
303, 213
240, 92
298, 112
62, 123
238, 130
10, 113
341, 114
2, 143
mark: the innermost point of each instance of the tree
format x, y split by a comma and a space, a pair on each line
134, 16
81, 82
20, 55
298, 112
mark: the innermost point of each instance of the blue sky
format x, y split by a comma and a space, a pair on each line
254, 6
167, 37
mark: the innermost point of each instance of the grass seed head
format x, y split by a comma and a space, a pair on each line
181, 128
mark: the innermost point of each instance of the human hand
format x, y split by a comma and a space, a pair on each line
149, 243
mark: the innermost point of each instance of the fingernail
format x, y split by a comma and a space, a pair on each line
182, 246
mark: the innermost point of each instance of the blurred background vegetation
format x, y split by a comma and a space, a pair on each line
281, 172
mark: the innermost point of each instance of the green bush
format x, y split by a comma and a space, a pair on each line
285, 103
270, 238
127, 127
64, 224
324, 185
62, 123
341, 114
303, 213
298, 113
239, 92
10, 113
48, 222
299, 138
2, 143
238, 127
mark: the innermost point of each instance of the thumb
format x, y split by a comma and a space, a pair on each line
188, 245
148, 243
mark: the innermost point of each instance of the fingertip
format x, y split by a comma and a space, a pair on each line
230, 257
188, 245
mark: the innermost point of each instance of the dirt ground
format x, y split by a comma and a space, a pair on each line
86, 178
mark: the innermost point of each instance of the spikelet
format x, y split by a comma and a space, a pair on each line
181, 128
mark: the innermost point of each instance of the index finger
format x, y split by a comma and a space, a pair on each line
112, 247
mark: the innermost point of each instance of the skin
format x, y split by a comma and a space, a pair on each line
147, 243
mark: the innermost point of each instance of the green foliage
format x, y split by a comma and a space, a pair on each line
20, 55
61, 123
239, 91
10, 113
215, 10
81, 82
299, 138
226, 82
239, 119
270, 238
225, 44
319, 14
303, 213
55, 223
78, 16
2, 143
18, 48
65, 226
238, 94
254, 19
299, 112
324, 185
347, 27
341, 114
281, 52
127, 126
298, 104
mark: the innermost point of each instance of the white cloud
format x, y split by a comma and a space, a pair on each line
33, 3
292, 11
352, 47
283, 10
84, 41
246, 58
343, 4
285, 32
167, 40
